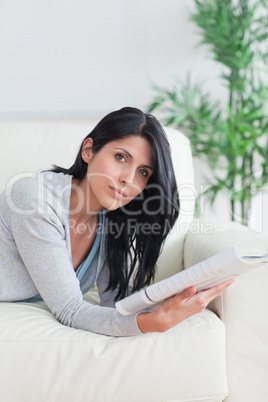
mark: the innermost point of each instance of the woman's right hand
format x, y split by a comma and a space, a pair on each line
179, 307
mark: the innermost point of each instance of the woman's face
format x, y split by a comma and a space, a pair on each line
119, 172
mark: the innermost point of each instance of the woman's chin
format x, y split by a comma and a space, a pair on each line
112, 206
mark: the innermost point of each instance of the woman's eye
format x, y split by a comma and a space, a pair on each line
143, 172
120, 157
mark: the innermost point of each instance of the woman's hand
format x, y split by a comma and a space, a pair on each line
177, 308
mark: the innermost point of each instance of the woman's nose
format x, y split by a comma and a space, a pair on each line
127, 177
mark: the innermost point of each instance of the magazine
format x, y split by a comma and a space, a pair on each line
204, 275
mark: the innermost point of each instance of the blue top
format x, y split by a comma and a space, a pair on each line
86, 263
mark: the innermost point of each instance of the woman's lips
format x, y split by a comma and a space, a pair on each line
118, 193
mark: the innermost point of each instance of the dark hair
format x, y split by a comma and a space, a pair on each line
134, 251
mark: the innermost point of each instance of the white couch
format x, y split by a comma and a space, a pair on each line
219, 354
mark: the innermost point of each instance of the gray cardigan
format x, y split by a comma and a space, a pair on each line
35, 257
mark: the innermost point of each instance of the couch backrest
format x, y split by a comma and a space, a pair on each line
27, 147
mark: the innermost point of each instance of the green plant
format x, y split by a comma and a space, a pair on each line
233, 138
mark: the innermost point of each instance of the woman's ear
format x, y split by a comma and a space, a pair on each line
87, 150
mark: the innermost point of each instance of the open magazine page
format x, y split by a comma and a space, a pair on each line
206, 274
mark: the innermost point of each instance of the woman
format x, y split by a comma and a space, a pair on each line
103, 220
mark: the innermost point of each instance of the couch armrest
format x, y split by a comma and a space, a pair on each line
243, 307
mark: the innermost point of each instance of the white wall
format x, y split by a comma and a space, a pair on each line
84, 58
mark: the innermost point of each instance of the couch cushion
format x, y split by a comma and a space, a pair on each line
50, 362
242, 307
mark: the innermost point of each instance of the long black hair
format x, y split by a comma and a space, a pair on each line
142, 225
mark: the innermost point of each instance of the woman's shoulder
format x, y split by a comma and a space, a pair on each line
42, 188
53, 182
21, 189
